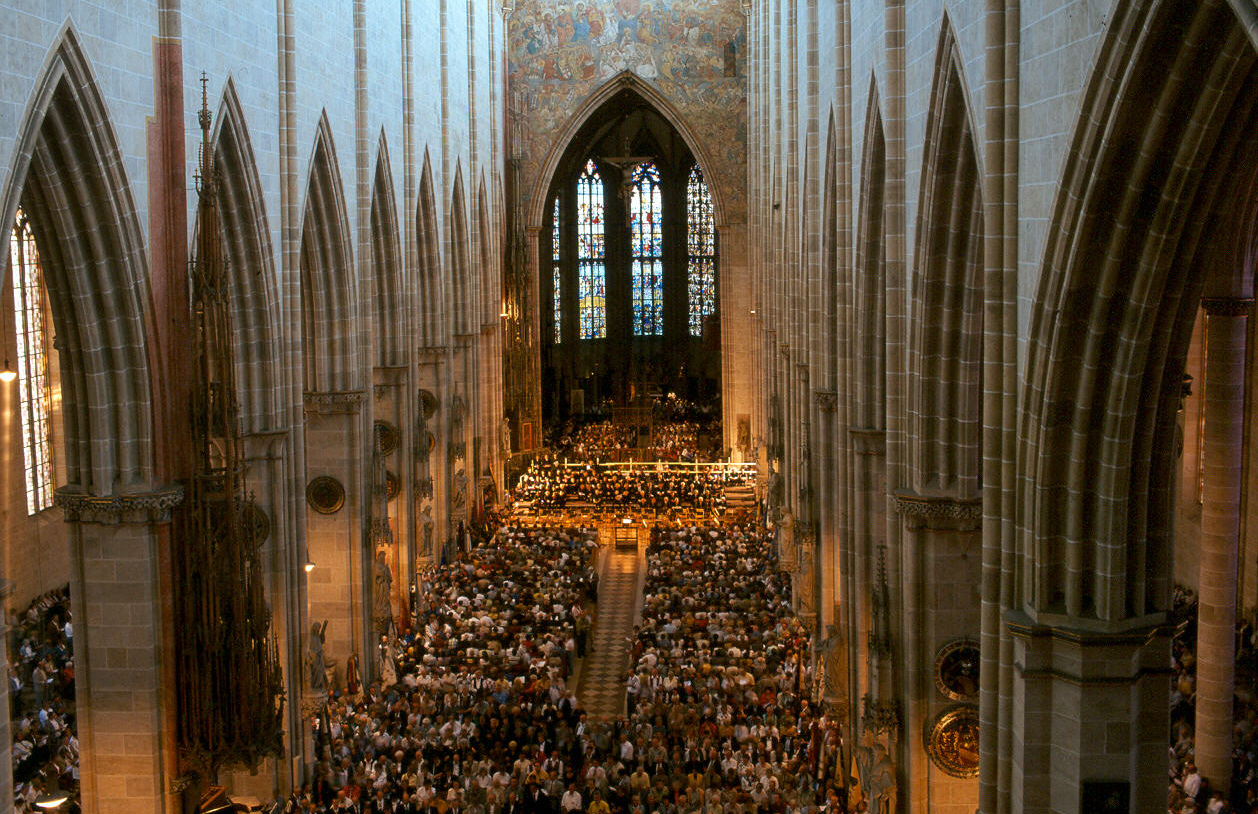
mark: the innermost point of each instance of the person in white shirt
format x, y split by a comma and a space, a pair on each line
571, 799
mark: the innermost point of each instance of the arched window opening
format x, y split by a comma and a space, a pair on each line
646, 237
701, 251
555, 273
34, 382
631, 263
591, 254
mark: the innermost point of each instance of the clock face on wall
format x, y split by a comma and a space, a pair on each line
952, 740
956, 670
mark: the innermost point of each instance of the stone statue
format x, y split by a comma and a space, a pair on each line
458, 495
830, 652
381, 609
806, 580
775, 492
787, 557
877, 774
318, 669
426, 527
506, 437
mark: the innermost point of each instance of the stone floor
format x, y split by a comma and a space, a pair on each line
602, 680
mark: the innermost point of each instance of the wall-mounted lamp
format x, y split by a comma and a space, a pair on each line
50, 802
309, 565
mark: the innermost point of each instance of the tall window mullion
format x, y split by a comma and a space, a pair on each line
646, 238
591, 255
556, 273
34, 394
700, 250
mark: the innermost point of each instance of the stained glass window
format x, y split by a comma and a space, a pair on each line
591, 270
556, 297
34, 390
701, 251
646, 237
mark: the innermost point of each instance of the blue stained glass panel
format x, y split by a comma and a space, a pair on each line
591, 271
701, 251
646, 240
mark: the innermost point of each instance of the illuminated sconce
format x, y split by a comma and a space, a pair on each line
48, 802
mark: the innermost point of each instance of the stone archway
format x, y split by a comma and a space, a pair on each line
68, 176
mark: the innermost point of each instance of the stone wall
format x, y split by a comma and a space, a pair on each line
693, 52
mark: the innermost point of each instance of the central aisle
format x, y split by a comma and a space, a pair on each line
602, 688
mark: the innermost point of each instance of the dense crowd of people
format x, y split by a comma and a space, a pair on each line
41, 696
671, 440
550, 485
474, 712
476, 715
1189, 791
676, 441
718, 690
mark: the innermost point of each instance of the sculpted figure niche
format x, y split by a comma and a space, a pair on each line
381, 610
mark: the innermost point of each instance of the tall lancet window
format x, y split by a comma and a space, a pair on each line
555, 276
591, 268
34, 385
701, 251
646, 237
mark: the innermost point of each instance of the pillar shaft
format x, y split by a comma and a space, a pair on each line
1224, 401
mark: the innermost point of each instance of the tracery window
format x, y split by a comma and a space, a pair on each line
591, 252
701, 251
34, 387
646, 239
556, 297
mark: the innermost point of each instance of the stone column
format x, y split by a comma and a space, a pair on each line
336, 523
1087, 717
119, 653
1224, 403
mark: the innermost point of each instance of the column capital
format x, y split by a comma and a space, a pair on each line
1227, 306
940, 512
334, 401
140, 507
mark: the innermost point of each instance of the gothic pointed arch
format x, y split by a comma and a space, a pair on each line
490, 273
828, 293
250, 266
1163, 138
869, 291
624, 81
463, 283
432, 330
327, 279
386, 264
69, 178
946, 350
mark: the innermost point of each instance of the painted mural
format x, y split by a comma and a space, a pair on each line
692, 51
